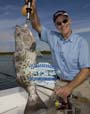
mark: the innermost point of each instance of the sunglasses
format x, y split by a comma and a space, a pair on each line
63, 22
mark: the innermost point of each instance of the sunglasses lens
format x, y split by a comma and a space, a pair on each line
60, 23
65, 21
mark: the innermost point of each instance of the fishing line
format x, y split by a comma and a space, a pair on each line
8, 75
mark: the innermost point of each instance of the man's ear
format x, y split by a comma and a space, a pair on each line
70, 21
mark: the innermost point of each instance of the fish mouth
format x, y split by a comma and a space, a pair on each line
17, 28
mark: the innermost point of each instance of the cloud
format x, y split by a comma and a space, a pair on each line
7, 8
10, 12
82, 30
7, 46
82, 25
86, 6
7, 28
8, 24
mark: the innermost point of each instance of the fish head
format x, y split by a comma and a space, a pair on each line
25, 38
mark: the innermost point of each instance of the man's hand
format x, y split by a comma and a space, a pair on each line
66, 90
63, 92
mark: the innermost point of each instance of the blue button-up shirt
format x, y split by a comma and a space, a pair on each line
69, 56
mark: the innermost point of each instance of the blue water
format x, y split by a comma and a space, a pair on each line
7, 70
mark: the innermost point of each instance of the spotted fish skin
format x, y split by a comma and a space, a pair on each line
25, 54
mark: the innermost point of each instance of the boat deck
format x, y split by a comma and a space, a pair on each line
12, 101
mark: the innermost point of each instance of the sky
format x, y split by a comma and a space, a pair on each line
10, 16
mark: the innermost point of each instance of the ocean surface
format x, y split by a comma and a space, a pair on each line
7, 70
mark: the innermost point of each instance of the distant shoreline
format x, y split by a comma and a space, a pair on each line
11, 53
6, 53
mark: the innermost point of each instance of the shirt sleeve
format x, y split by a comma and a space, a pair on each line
84, 54
45, 34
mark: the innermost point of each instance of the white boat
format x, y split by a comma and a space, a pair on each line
13, 101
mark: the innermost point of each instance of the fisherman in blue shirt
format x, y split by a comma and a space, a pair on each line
70, 52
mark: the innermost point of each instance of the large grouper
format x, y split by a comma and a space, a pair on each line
25, 55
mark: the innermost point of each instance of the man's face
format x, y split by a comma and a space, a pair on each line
63, 24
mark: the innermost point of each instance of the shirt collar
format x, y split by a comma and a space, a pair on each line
70, 38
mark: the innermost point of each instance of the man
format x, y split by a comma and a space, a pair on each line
70, 52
